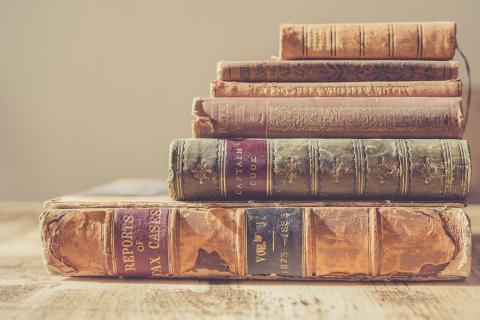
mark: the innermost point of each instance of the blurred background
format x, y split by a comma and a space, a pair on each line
92, 91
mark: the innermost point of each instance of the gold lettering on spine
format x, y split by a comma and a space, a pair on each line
385, 89
154, 229
128, 257
284, 234
238, 158
155, 265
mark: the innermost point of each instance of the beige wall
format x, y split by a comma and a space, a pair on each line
91, 91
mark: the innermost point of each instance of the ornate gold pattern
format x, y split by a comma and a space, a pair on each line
427, 170
338, 170
290, 169
201, 173
383, 169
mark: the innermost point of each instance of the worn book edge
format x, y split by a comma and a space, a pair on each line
456, 226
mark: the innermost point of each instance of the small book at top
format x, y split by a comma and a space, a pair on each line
406, 40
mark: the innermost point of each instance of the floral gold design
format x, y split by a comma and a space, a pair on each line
290, 169
338, 170
335, 168
201, 172
383, 169
427, 170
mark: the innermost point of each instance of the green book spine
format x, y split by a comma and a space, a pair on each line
261, 169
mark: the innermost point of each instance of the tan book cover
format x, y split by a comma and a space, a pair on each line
126, 229
407, 40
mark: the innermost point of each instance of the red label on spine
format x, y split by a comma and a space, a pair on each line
246, 169
141, 242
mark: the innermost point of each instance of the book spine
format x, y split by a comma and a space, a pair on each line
255, 169
346, 243
327, 117
451, 88
421, 41
336, 71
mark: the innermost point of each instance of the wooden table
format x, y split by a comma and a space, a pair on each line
28, 291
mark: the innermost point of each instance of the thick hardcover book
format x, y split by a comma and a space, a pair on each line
336, 71
421, 41
450, 88
370, 117
147, 236
208, 169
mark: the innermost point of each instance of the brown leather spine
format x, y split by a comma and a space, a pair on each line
327, 117
406, 242
336, 71
421, 41
451, 88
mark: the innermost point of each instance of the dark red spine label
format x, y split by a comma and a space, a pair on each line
246, 169
141, 242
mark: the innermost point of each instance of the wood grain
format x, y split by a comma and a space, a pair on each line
28, 291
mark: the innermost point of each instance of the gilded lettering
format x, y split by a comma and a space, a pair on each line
127, 242
155, 265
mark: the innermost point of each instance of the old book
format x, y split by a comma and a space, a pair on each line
336, 71
328, 117
449, 88
208, 169
421, 41
148, 236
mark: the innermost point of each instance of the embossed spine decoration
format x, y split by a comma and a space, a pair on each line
421, 41
320, 168
336, 71
452, 88
327, 117
421, 242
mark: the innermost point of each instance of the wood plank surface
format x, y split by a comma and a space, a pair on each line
27, 291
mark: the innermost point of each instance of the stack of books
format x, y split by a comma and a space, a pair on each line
343, 159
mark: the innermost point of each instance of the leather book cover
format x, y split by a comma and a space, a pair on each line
328, 117
407, 40
145, 235
336, 71
286, 169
